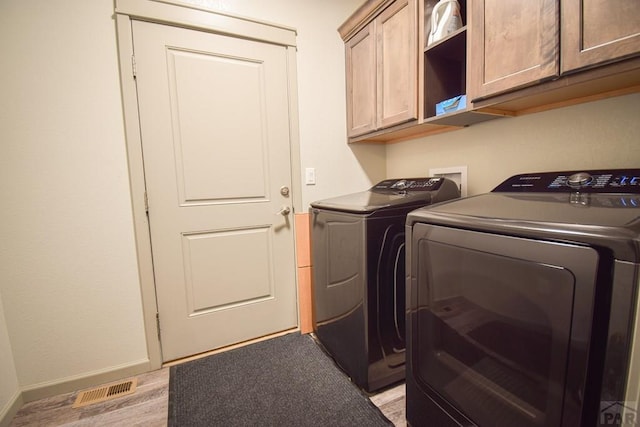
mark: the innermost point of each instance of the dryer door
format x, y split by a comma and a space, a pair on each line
496, 320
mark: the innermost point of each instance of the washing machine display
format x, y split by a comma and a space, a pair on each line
522, 303
358, 251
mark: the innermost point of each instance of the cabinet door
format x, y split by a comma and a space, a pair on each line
598, 31
361, 82
512, 44
397, 64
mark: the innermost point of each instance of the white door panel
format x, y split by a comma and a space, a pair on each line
215, 134
231, 105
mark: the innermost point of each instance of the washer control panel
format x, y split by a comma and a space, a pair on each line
409, 184
594, 181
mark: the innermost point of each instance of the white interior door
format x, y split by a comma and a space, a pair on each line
214, 123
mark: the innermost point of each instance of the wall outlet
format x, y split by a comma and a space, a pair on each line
457, 174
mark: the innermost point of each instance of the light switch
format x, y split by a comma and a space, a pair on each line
310, 176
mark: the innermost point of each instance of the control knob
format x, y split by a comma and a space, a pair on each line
401, 185
578, 180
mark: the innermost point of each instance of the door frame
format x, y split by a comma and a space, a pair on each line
206, 20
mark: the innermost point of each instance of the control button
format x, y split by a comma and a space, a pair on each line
401, 185
579, 199
580, 179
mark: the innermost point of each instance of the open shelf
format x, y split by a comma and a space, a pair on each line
445, 45
445, 77
445, 65
445, 71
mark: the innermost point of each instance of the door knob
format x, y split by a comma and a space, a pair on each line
286, 210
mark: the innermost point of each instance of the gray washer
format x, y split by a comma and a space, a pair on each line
358, 256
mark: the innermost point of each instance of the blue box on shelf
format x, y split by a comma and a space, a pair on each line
450, 105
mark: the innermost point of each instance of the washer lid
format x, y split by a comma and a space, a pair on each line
387, 194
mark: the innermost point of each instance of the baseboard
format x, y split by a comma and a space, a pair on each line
11, 409
48, 389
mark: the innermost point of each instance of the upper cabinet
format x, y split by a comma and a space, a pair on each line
502, 58
512, 44
361, 81
522, 43
381, 66
597, 31
397, 63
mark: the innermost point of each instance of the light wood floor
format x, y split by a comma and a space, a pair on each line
148, 407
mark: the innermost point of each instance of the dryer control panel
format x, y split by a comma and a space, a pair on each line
590, 181
409, 184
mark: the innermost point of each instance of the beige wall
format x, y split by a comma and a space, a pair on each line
601, 134
69, 283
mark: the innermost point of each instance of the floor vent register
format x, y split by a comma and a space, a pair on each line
106, 392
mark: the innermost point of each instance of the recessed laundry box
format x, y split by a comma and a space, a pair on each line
358, 256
